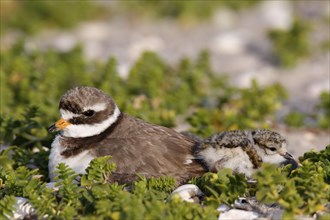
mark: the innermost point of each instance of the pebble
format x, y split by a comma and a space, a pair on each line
228, 43
93, 31
264, 75
146, 43
315, 89
276, 14
188, 193
238, 214
65, 42
225, 18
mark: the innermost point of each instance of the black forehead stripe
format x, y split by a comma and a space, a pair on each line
70, 106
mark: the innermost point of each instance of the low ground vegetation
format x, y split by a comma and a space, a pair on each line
32, 83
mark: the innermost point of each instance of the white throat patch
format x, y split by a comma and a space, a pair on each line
81, 130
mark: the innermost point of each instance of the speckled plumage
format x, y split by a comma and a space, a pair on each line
234, 139
243, 151
268, 139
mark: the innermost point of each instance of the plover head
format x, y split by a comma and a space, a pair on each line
271, 147
85, 111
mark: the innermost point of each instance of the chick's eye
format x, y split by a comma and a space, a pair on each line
272, 149
89, 113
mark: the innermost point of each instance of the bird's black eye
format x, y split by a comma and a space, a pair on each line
89, 113
272, 149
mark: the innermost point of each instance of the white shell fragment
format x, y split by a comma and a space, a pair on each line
188, 193
22, 208
238, 214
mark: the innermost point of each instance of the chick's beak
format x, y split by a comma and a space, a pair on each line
288, 156
290, 160
59, 125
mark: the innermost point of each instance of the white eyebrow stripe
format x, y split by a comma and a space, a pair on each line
67, 115
97, 107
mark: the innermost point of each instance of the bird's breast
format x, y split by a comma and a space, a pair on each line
77, 162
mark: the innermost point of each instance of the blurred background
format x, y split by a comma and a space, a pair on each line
203, 66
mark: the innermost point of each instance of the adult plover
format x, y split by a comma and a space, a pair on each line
92, 126
244, 151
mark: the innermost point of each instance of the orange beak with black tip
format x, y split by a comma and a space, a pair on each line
59, 125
